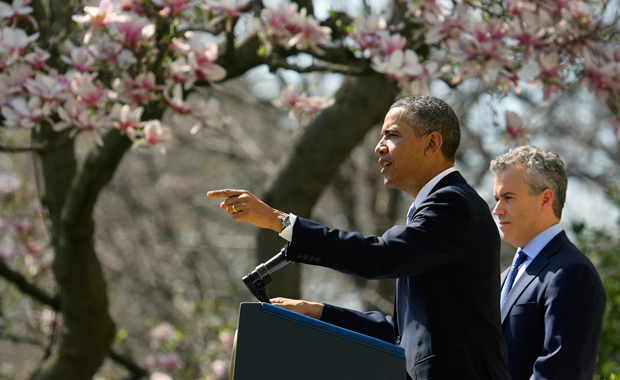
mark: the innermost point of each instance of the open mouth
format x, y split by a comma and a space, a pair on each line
385, 164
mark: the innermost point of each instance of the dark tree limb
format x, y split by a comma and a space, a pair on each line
276, 63
26, 286
314, 158
21, 149
137, 372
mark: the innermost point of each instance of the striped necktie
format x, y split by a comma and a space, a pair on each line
512, 274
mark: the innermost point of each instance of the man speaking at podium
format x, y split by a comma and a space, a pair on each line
445, 259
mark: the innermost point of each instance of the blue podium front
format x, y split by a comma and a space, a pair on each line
277, 344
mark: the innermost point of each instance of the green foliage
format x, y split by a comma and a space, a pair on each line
603, 248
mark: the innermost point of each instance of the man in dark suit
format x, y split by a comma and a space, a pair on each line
445, 259
553, 300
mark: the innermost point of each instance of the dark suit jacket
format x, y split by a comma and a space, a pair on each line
447, 265
552, 317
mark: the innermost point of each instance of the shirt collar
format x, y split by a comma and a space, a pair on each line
533, 248
425, 191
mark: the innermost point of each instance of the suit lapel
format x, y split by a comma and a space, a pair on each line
532, 271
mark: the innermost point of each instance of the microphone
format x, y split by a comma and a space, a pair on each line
257, 280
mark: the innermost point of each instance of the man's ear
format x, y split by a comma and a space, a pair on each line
547, 198
434, 143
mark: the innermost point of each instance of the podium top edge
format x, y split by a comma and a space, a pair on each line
332, 329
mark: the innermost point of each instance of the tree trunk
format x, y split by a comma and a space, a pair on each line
360, 104
69, 197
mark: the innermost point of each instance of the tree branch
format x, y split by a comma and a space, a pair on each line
137, 372
21, 149
27, 287
278, 63
21, 339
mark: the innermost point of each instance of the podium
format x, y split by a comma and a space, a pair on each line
277, 344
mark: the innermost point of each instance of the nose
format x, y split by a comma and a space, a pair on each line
381, 148
498, 209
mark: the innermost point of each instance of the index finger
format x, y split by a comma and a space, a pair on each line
226, 193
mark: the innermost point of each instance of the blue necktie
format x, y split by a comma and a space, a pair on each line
512, 274
410, 214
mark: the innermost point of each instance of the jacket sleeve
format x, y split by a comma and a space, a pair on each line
373, 323
436, 236
574, 308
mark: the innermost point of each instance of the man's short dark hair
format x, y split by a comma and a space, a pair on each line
426, 114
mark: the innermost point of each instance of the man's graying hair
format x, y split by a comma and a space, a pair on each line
426, 114
543, 170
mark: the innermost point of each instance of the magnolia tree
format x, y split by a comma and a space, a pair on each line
111, 70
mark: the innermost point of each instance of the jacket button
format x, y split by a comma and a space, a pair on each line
311, 258
398, 339
318, 260
305, 257
299, 255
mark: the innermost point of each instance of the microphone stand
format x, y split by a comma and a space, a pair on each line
259, 278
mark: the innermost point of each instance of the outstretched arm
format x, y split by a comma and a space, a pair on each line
245, 206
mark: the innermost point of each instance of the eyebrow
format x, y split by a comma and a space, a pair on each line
506, 193
389, 130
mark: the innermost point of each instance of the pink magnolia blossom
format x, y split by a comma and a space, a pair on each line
106, 50
449, 28
549, 65
290, 28
225, 10
390, 43
81, 60
37, 58
178, 104
208, 115
180, 72
9, 184
126, 119
600, 76
25, 114
516, 130
135, 91
88, 90
201, 58
399, 66
148, 363
163, 331
171, 361
218, 369
155, 134
425, 9
172, 8
134, 31
79, 116
160, 376
14, 42
51, 89
307, 33
301, 105
228, 341
365, 31
16, 10
13, 82
99, 17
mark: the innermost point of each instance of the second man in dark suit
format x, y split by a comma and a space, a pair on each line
553, 300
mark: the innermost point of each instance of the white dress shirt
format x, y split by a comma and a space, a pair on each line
533, 248
287, 233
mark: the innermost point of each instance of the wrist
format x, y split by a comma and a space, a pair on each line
278, 225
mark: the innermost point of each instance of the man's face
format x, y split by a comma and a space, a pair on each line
519, 213
401, 153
